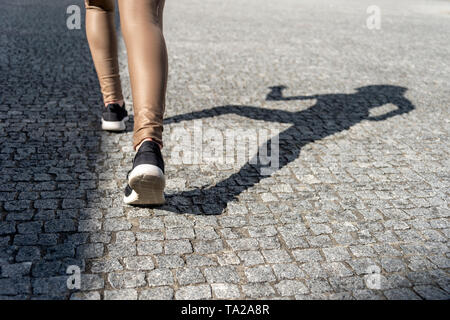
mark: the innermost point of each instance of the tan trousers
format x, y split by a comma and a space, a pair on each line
141, 25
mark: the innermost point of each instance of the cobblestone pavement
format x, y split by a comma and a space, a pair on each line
363, 183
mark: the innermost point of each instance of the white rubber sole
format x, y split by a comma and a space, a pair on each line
114, 125
147, 182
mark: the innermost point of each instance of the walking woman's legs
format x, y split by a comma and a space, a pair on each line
141, 22
101, 35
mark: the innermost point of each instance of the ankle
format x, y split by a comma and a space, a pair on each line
119, 102
148, 139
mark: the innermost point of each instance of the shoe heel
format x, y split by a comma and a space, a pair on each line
148, 182
114, 125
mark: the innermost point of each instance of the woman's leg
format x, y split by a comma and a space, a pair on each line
101, 35
141, 22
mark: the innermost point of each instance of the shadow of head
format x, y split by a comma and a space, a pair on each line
387, 90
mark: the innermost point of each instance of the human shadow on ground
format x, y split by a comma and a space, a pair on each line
330, 114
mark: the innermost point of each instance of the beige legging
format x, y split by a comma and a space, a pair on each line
141, 25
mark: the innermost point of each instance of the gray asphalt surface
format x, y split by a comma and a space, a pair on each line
362, 120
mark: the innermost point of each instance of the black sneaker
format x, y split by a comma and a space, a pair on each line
146, 179
114, 117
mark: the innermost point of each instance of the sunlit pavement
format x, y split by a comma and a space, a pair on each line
356, 207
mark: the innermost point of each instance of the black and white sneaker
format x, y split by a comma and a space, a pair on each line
146, 179
114, 117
